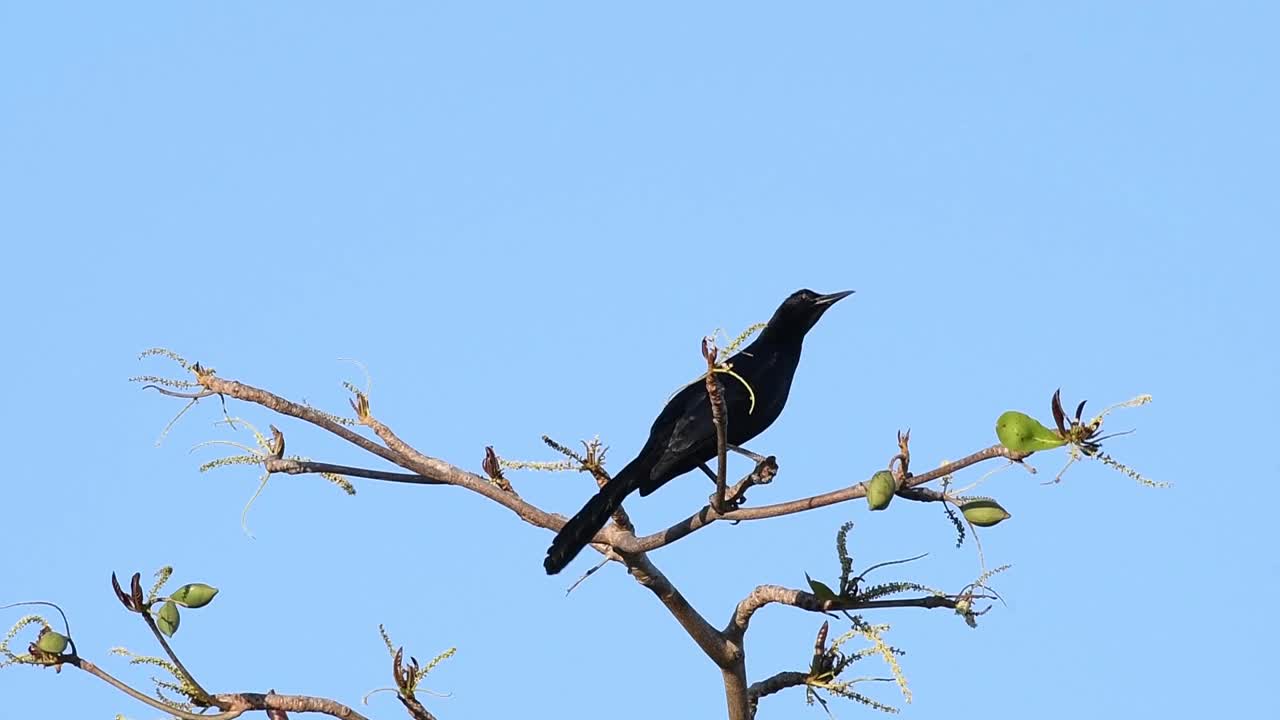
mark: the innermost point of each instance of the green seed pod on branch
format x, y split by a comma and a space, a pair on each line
984, 513
880, 490
168, 618
1024, 434
194, 595
51, 642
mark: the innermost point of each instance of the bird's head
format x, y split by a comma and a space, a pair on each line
800, 312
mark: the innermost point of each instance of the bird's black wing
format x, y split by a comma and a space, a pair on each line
684, 435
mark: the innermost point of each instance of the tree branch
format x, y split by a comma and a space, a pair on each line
719, 419
286, 703
769, 594
305, 467
271, 401
707, 637
775, 683
724, 647
707, 514
91, 668
232, 705
431, 470
397, 451
416, 709
186, 674
726, 655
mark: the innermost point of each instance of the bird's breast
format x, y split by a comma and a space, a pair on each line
769, 376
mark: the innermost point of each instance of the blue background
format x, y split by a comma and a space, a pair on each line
522, 219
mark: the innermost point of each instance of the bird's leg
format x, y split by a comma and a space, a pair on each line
762, 474
710, 473
755, 457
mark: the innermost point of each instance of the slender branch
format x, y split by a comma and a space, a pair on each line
271, 401
186, 674
233, 705
727, 655
286, 703
707, 637
783, 680
755, 457
429, 468
435, 471
921, 494
93, 669
410, 458
715, 395
184, 395
305, 467
776, 683
416, 709
860, 490
707, 515
768, 594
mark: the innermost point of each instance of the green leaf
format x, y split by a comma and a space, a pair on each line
821, 590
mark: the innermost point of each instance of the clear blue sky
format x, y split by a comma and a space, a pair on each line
522, 220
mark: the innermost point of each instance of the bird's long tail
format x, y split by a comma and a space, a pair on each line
582, 527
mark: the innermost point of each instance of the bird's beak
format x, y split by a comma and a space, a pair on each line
829, 299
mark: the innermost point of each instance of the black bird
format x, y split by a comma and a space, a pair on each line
684, 437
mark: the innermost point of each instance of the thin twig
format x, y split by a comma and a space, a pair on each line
755, 457
397, 452
768, 594
306, 467
416, 709
433, 469
175, 393
589, 573
776, 683
92, 669
707, 515
715, 395
186, 675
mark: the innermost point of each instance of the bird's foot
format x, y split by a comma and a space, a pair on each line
731, 502
756, 457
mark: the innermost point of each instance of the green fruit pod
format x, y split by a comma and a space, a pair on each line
168, 618
984, 513
880, 490
194, 595
1024, 434
51, 642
